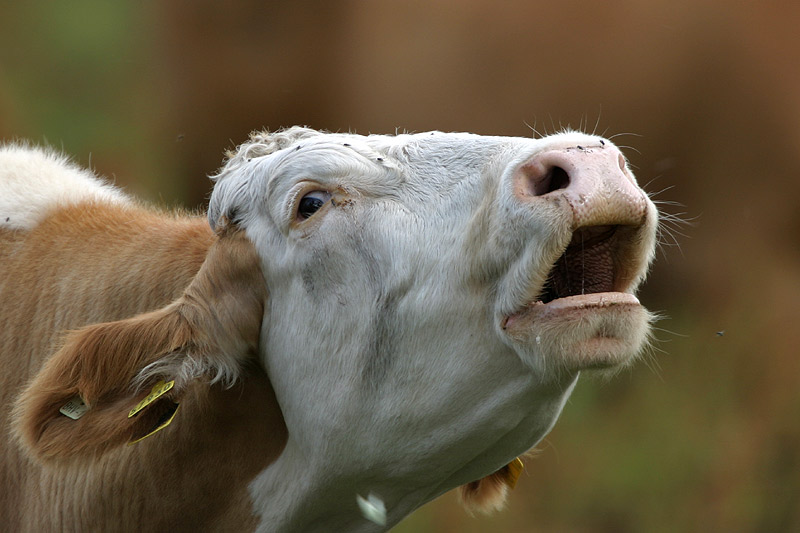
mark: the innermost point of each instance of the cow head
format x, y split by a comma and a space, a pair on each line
433, 297
422, 304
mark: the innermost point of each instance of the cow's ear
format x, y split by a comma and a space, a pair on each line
489, 493
85, 397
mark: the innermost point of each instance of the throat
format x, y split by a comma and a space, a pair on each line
301, 493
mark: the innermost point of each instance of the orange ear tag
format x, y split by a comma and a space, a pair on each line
515, 469
158, 390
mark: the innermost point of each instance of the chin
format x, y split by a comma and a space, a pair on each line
599, 331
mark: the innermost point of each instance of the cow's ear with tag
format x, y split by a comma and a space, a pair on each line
118, 382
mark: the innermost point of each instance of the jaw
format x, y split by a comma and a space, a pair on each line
471, 424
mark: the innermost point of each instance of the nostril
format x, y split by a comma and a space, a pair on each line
553, 179
541, 176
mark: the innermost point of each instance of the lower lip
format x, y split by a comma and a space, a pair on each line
572, 307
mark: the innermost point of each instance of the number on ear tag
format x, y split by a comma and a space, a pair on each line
74, 408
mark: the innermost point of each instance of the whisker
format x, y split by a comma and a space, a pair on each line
597, 122
623, 133
656, 193
626, 147
684, 336
536, 133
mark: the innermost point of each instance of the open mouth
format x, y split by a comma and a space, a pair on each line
593, 273
586, 315
585, 267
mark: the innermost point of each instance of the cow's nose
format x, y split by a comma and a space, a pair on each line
594, 180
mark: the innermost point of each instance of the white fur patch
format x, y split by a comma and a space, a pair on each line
34, 181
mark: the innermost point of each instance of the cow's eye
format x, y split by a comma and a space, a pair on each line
311, 202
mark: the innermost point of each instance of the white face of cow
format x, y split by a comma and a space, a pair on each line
436, 295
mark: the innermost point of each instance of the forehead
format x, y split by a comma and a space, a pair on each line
403, 157
434, 147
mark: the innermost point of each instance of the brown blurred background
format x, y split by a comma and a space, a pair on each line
705, 436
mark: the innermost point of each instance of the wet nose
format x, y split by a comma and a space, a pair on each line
595, 182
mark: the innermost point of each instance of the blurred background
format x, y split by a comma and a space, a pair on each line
705, 95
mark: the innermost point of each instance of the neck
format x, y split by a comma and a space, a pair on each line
315, 483
297, 493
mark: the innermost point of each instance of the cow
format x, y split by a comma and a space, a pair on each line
358, 325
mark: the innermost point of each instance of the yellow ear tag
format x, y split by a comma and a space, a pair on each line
158, 390
515, 469
160, 426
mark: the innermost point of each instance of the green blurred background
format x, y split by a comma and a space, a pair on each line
705, 434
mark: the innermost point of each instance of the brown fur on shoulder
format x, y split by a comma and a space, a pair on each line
208, 332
